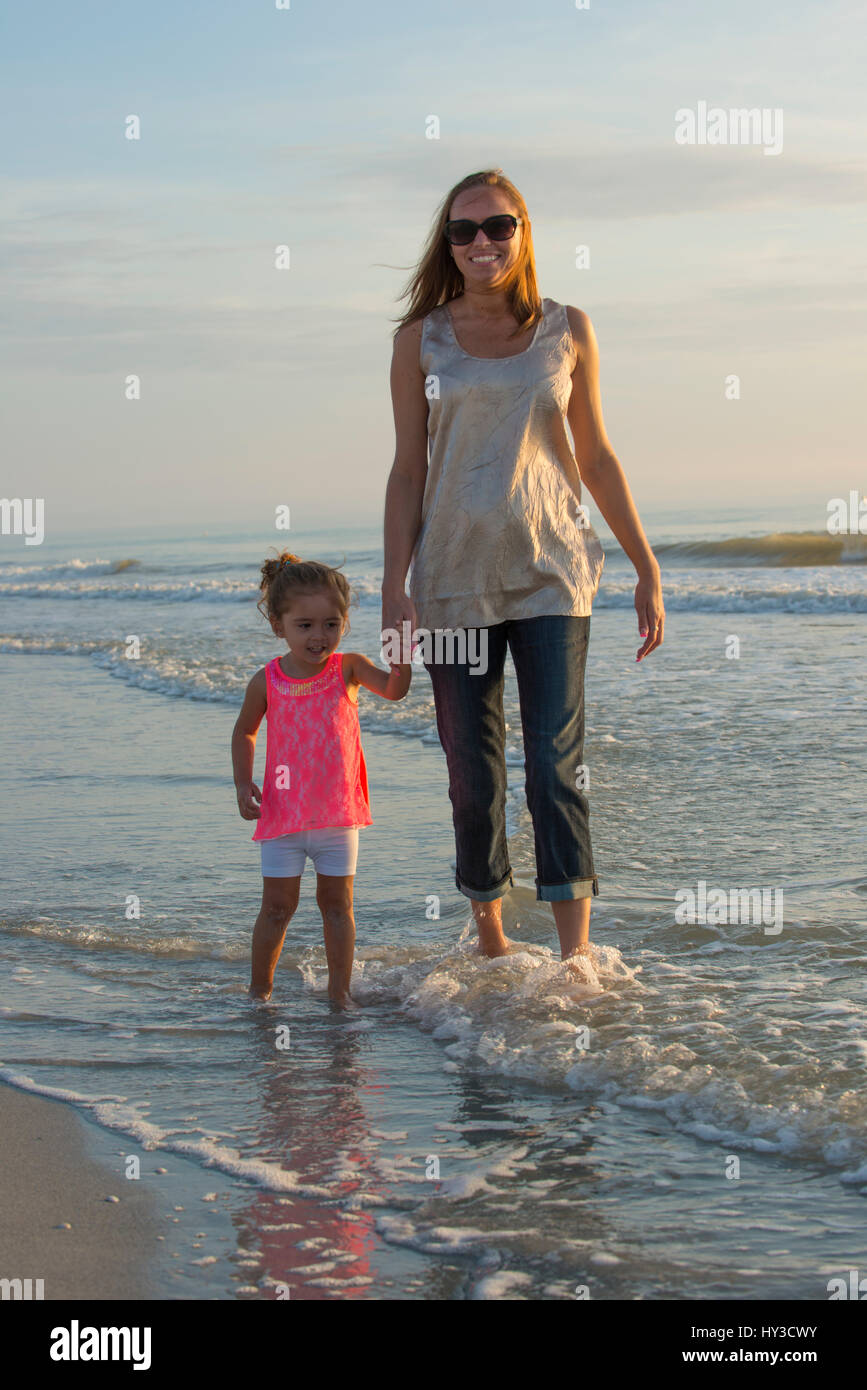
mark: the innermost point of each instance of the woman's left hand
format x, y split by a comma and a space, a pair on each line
650, 610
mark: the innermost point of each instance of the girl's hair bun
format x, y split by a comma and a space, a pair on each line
274, 564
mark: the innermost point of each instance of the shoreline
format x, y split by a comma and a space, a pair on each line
50, 1178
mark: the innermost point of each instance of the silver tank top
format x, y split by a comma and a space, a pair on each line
501, 533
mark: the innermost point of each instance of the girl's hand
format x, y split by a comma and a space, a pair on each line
651, 613
249, 801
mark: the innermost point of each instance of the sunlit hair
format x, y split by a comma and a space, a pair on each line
288, 578
437, 280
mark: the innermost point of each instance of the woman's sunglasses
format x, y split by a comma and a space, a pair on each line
501, 227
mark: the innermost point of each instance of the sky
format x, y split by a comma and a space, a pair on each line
306, 126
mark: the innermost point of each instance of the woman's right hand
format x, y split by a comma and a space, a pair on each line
398, 608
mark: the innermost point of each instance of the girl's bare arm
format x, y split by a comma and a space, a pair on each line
244, 745
392, 685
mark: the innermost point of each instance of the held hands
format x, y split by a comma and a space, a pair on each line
249, 800
650, 610
397, 608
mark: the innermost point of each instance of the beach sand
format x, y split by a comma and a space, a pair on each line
51, 1176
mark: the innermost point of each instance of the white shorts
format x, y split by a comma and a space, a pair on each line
334, 851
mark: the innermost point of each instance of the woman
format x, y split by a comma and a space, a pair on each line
490, 373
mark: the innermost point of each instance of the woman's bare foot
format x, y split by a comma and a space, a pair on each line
489, 921
572, 917
579, 965
497, 946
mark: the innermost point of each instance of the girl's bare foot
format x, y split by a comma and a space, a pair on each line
342, 999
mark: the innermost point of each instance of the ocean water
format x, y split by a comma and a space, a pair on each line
686, 1119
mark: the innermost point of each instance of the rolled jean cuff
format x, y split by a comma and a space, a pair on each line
563, 892
486, 895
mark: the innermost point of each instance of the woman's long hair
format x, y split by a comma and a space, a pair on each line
437, 280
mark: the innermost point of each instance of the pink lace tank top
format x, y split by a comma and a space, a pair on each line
315, 773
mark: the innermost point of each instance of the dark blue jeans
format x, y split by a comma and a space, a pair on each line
549, 655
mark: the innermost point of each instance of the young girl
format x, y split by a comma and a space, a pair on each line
314, 795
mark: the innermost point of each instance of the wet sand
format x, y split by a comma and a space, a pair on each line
50, 1178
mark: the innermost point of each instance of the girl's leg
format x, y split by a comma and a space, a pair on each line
334, 896
279, 901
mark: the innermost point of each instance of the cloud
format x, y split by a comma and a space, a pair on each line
131, 276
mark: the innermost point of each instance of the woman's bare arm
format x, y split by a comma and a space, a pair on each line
406, 483
600, 469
